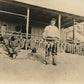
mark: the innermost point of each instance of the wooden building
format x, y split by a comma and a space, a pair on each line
30, 19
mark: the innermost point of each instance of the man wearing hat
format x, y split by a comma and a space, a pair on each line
51, 34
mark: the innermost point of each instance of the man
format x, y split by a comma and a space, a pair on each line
51, 34
13, 46
3, 29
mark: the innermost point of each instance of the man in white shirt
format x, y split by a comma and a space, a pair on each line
51, 30
51, 34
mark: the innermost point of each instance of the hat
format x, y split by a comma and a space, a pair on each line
53, 19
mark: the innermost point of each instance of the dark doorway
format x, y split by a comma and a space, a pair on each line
23, 30
29, 32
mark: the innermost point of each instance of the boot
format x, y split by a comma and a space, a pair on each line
53, 60
11, 55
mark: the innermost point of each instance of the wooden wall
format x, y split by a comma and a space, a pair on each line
37, 29
65, 33
68, 32
10, 25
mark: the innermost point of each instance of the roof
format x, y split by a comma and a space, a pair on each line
69, 6
37, 14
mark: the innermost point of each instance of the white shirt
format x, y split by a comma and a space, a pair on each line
3, 29
51, 31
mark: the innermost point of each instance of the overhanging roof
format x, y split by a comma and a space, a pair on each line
37, 14
69, 6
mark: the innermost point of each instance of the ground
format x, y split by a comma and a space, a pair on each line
28, 70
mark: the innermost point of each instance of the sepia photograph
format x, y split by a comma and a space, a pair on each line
41, 42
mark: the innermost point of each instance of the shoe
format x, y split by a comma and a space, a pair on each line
14, 56
45, 63
54, 64
11, 55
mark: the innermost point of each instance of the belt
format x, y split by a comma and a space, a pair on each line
49, 40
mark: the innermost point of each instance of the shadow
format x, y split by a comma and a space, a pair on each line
0, 52
36, 57
6, 54
21, 58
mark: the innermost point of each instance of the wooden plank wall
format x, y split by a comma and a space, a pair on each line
10, 25
37, 30
64, 33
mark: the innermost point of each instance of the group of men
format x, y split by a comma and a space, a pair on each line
12, 45
50, 34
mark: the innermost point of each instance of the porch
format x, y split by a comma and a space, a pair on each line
29, 21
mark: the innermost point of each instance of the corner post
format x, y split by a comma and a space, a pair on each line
59, 24
73, 29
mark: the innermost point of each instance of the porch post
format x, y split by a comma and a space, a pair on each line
74, 30
59, 24
27, 27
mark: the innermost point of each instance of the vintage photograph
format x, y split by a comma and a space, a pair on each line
41, 42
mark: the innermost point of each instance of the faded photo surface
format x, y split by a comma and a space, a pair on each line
41, 42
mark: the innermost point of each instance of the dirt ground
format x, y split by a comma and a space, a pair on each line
27, 69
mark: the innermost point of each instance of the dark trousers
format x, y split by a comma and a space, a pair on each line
51, 49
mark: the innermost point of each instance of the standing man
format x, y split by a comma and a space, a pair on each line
51, 34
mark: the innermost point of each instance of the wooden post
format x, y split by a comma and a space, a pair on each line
74, 30
59, 24
27, 27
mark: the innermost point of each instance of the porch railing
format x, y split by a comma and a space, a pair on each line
60, 46
38, 42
